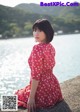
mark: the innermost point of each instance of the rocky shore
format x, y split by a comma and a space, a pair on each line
71, 94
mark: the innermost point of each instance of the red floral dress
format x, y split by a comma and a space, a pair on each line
41, 62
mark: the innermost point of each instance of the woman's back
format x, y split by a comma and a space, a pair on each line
43, 60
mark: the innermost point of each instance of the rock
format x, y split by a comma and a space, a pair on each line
71, 93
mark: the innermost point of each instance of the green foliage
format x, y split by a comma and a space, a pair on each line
58, 11
17, 22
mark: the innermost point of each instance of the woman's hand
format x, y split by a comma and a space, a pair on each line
31, 104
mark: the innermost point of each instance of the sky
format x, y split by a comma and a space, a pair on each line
13, 3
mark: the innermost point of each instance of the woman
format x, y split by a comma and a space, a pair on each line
44, 89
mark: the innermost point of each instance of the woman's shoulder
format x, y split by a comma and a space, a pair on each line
43, 46
37, 48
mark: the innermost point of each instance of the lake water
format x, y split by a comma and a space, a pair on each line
14, 68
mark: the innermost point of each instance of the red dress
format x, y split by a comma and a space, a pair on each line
41, 62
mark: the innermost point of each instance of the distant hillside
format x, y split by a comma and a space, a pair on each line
19, 15
16, 22
58, 11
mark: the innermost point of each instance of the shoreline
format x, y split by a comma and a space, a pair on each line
71, 93
30, 36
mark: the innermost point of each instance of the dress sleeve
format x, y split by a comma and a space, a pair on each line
37, 63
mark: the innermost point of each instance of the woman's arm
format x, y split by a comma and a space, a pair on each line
34, 86
36, 71
31, 101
